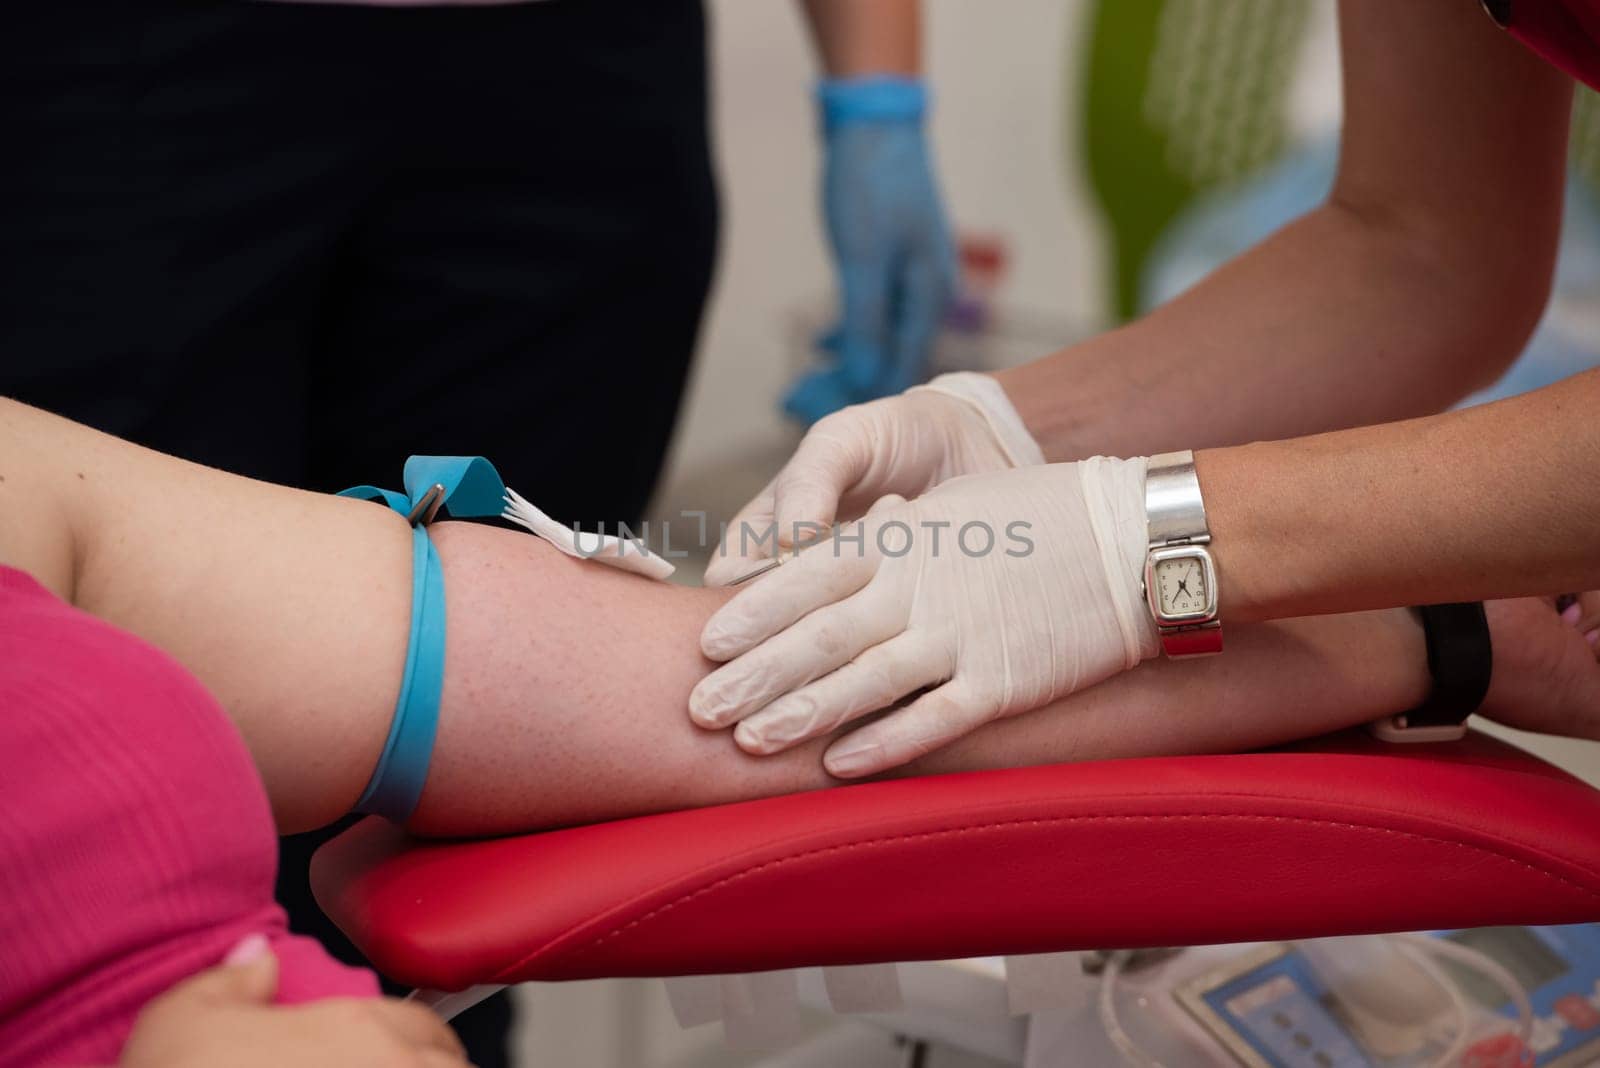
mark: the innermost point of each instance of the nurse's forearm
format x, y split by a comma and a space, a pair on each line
1500, 500
566, 688
1335, 321
855, 38
1414, 285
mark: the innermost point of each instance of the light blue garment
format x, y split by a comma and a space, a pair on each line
893, 252
1224, 224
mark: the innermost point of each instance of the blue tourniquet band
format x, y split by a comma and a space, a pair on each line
873, 98
471, 487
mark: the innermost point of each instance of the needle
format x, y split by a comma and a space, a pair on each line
762, 570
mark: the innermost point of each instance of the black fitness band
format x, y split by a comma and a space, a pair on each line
1460, 661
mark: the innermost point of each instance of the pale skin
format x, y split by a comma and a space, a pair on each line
565, 681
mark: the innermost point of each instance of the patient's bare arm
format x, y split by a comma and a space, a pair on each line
566, 684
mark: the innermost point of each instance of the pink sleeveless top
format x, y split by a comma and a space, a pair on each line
136, 843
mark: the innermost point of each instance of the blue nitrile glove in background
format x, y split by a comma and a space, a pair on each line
895, 259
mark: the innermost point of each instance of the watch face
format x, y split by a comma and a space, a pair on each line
1181, 586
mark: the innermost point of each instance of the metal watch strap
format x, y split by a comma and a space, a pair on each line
1174, 512
1175, 515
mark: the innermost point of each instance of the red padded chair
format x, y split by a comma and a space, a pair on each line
1347, 835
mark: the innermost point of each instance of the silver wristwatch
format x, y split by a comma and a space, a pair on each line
1180, 577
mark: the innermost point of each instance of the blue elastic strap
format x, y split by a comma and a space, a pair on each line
472, 487
875, 98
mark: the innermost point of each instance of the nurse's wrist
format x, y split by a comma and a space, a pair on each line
1262, 574
1074, 424
987, 399
876, 98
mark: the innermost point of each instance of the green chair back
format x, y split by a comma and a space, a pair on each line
1179, 96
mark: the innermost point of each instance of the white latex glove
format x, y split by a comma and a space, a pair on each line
921, 600
958, 424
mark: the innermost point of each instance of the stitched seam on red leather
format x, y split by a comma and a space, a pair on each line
980, 828
1125, 795
1554, 774
1277, 796
1144, 795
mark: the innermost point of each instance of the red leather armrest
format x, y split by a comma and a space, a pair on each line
1347, 836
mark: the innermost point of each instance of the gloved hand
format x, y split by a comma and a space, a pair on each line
958, 424
1001, 592
892, 247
